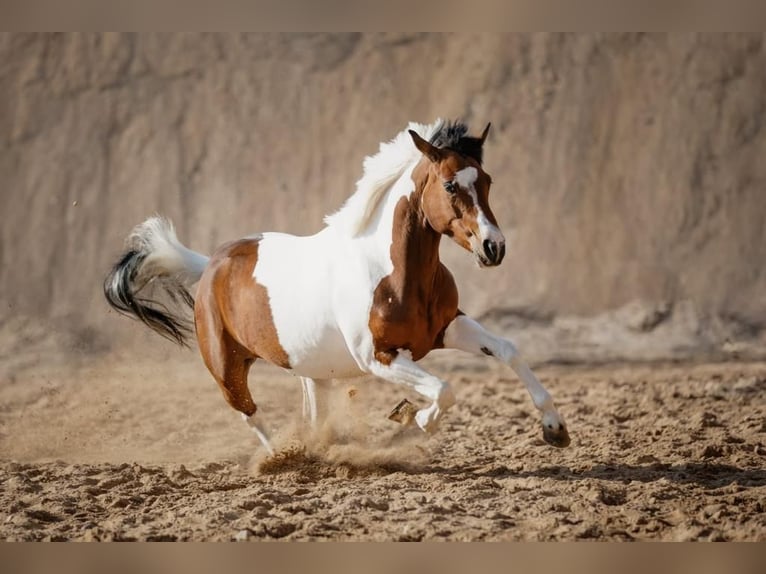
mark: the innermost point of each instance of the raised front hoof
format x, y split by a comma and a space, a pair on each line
556, 435
403, 413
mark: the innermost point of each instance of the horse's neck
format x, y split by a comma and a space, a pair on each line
411, 243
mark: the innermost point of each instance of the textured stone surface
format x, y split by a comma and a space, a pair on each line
627, 167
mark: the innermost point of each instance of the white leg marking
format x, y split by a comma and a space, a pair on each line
468, 335
314, 394
259, 432
404, 371
309, 400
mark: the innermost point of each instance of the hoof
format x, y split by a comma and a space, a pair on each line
558, 437
403, 413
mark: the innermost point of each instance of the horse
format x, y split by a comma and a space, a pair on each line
367, 294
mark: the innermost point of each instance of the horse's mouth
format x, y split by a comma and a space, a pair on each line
483, 261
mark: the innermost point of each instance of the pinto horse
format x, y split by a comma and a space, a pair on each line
367, 294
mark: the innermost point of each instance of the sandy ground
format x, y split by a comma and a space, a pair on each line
131, 450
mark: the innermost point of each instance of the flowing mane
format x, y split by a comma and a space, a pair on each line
380, 172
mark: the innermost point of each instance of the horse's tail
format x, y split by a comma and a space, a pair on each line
154, 256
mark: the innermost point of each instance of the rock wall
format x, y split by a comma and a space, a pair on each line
627, 167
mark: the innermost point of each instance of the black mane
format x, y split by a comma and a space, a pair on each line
452, 135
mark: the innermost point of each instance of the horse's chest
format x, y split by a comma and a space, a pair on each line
412, 316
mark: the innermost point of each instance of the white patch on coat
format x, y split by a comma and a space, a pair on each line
321, 289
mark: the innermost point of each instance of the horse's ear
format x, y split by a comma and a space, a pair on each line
484, 134
427, 149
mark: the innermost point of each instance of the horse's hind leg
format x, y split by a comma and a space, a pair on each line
314, 394
229, 363
237, 394
309, 400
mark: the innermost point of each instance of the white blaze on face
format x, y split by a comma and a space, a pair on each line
466, 178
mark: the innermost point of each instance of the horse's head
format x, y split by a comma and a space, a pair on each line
455, 197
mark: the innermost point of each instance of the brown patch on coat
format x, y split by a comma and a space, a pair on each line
414, 304
234, 322
244, 303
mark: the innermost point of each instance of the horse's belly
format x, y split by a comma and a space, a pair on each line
326, 357
301, 303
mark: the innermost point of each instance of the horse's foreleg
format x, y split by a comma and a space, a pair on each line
468, 335
403, 370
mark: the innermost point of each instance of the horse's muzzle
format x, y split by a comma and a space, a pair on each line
493, 252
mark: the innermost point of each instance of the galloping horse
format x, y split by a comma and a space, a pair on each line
367, 294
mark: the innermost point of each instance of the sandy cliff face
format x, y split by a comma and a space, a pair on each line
627, 167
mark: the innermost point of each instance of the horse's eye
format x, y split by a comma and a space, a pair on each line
450, 186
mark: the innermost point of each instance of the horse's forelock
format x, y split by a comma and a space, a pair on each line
452, 135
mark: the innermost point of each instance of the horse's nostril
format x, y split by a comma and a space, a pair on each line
490, 250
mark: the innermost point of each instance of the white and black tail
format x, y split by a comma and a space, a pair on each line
155, 257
